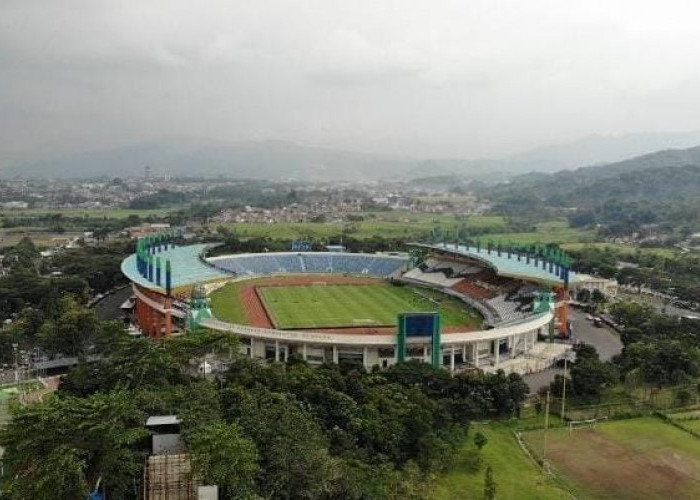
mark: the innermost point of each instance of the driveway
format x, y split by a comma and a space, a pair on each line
605, 340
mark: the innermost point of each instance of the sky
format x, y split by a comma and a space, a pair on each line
476, 78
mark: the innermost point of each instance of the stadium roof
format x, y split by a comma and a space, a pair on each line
186, 268
504, 264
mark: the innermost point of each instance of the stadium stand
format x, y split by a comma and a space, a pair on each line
473, 288
436, 278
308, 262
450, 268
290, 263
317, 263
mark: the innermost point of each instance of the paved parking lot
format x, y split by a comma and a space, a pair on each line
605, 340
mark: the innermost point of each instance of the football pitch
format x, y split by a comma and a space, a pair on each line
625, 459
338, 306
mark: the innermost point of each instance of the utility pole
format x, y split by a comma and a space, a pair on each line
563, 390
546, 426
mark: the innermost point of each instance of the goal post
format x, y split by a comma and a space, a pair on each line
363, 322
584, 424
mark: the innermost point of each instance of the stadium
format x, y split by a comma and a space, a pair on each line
454, 305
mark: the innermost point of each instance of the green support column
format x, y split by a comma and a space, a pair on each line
401, 340
436, 346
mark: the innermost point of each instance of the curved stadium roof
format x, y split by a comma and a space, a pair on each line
186, 268
504, 264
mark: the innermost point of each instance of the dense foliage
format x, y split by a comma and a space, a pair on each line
38, 282
661, 349
277, 431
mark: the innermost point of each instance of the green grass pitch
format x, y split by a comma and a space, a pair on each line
624, 459
336, 306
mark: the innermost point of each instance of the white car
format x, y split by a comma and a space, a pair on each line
589, 317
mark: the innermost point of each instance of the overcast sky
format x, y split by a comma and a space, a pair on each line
425, 78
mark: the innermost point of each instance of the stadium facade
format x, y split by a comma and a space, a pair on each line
521, 294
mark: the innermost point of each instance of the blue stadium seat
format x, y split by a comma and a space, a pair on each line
310, 262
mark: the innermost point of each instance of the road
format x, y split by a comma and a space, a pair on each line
108, 308
605, 340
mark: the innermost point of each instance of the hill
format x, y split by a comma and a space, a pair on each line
286, 160
655, 177
601, 149
252, 159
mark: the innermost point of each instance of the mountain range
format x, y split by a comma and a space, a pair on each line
286, 160
670, 175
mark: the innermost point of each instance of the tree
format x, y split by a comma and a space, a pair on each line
55, 448
294, 458
137, 363
489, 484
583, 295
221, 455
598, 297
72, 332
588, 376
480, 440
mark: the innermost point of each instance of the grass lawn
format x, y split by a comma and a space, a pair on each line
625, 250
10, 237
682, 415
87, 213
516, 476
625, 459
689, 419
398, 224
555, 231
316, 306
692, 425
226, 302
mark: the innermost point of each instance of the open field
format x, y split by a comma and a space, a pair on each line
295, 302
10, 237
625, 459
689, 419
402, 225
555, 231
516, 476
625, 250
691, 425
84, 213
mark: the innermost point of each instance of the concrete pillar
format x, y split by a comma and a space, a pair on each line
464, 353
365, 357
303, 351
497, 343
277, 350
335, 354
168, 317
452, 359
426, 359
252, 347
475, 353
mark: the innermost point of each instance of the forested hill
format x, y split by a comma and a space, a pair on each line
657, 177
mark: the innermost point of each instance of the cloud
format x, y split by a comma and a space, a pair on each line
346, 58
440, 78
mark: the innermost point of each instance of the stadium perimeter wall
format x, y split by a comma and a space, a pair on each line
491, 348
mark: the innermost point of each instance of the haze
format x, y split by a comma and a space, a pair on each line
410, 78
